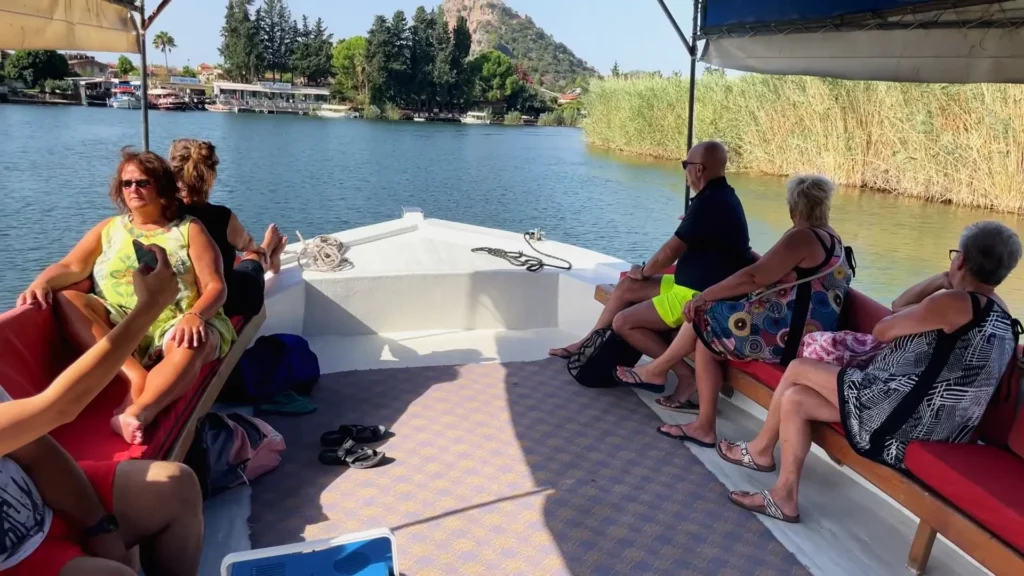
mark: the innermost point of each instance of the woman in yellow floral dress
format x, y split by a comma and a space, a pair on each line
188, 333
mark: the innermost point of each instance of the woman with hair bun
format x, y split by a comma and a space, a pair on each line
195, 165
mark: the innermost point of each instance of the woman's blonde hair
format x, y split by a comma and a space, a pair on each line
195, 167
810, 198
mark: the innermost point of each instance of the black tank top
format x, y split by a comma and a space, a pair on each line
215, 219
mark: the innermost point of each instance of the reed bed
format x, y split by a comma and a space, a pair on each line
955, 144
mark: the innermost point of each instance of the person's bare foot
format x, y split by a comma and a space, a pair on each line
128, 427
274, 253
565, 352
735, 452
124, 405
647, 375
786, 502
689, 431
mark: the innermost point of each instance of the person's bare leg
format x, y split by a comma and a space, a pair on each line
167, 381
800, 406
709, 384
627, 293
641, 326
817, 375
671, 360
89, 566
160, 508
86, 321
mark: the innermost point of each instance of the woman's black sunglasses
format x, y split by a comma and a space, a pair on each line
141, 183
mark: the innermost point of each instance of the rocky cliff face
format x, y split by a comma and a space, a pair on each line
494, 25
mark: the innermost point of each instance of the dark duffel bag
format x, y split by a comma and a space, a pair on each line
593, 365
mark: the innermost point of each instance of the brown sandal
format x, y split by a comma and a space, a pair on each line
769, 508
745, 460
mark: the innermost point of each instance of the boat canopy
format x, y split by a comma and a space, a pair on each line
955, 41
85, 25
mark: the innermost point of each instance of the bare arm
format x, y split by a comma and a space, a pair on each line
665, 256
947, 310
60, 481
239, 237
787, 254
74, 267
923, 289
24, 421
209, 271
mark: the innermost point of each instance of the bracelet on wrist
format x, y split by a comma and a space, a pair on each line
643, 266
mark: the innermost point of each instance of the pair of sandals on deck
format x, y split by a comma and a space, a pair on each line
340, 446
769, 508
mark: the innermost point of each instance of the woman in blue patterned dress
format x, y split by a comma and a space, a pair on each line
762, 311
949, 342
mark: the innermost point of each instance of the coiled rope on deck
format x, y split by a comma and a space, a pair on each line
323, 254
520, 260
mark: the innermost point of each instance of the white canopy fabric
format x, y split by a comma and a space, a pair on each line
959, 41
85, 25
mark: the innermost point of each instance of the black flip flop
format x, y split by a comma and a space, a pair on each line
688, 407
684, 437
636, 382
351, 456
563, 353
355, 432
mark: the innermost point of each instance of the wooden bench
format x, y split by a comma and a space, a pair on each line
757, 381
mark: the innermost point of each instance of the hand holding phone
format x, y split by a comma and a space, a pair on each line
144, 257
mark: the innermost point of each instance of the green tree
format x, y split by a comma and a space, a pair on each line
349, 62
278, 35
34, 67
240, 47
615, 70
441, 70
189, 72
462, 79
422, 55
312, 58
495, 76
164, 42
125, 66
378, 61
400, 64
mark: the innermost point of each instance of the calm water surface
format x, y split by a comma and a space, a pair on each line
321, 176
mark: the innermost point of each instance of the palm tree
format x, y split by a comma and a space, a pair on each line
164, 42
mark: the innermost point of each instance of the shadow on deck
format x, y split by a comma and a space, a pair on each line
510, 469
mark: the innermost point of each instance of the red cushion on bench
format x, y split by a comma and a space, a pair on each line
860, 313
32, 350
763, 372
982, 481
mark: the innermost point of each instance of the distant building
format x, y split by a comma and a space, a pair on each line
208, 74
88, 66
571, 96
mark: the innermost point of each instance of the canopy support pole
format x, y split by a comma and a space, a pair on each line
693, 89
145, 75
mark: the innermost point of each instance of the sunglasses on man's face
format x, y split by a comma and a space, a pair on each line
686, 164
141, 183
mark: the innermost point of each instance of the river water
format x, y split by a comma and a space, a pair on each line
320, 176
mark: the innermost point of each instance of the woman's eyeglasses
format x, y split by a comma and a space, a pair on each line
953, 253
141, 183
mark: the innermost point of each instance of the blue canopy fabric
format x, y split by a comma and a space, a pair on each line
954, 41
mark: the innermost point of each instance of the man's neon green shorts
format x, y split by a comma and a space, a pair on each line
670, 302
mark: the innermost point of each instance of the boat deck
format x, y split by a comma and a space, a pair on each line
509, 467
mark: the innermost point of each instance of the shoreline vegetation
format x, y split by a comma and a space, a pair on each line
952, 144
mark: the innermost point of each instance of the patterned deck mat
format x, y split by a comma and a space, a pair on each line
510, 469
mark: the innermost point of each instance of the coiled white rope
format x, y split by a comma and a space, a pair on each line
323, 254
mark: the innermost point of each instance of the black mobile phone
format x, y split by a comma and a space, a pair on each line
144, 257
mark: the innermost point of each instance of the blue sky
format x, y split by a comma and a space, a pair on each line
634, 32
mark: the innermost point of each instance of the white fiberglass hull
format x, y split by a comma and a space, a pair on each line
332, 115
126, 104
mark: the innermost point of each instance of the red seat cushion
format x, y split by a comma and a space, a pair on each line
982, 481
32, 350
860, 313
89, 436
763, 372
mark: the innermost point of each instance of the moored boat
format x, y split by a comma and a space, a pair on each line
125, 98
476, 118
334, 111
220, 106
164, 99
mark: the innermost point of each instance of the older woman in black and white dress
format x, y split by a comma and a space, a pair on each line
949, 342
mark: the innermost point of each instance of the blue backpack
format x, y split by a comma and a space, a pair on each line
272, 365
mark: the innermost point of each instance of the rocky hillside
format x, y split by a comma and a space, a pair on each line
494, 25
